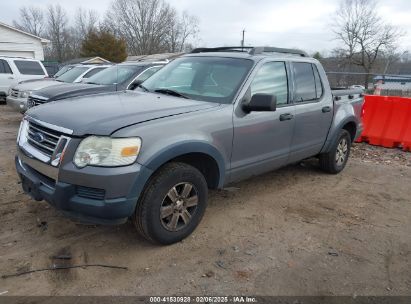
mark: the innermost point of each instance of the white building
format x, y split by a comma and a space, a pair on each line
16, 43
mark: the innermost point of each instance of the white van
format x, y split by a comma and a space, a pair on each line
15, 69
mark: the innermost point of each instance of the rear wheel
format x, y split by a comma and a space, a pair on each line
335, 160
172, 204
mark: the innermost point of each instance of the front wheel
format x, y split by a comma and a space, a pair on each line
335, 160
172, 204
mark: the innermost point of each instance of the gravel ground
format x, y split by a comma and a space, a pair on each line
378, 155
296, 231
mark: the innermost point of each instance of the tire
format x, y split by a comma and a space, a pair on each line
336, 159
169, 210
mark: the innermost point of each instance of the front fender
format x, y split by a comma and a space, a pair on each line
170, 152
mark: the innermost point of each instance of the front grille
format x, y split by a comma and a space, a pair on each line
35, 101
14, 93
42, 138
91, 193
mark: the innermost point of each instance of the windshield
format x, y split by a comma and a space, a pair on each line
212, 79
72, 74
63, 70
115, 74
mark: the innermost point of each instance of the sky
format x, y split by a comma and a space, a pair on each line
281, 23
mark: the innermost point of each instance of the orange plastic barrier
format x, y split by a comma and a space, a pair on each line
387, 121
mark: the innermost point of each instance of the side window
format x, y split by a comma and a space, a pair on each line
4, 67
305, 89
148, 73
92, 72
271, 79
318, 84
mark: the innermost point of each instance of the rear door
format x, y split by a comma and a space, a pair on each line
313, 111
7, 78
262, 140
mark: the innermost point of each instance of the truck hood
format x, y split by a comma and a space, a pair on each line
68, 90
34, 85
103, 114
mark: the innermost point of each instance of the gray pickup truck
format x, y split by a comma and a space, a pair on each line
207, 119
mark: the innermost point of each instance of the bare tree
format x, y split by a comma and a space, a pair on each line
58, 32
31, 20
150, 26
363, 33
181, 30
86, 21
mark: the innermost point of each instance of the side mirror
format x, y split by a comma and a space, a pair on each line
261, 103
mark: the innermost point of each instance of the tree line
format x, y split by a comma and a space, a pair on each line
134, 27
367, 41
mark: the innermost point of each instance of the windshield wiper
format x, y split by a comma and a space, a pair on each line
91, 83
171, 92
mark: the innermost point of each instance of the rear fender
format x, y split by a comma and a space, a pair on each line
333, 135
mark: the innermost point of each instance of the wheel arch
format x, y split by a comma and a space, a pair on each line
349, 124
203, 156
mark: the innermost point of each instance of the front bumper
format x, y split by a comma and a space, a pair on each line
42, 182
18, 104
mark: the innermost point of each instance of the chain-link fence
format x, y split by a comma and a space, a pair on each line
378, 84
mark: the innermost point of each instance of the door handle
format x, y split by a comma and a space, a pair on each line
326, 109
11, 77
287, 116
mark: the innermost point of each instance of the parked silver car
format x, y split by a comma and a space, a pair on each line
17, 97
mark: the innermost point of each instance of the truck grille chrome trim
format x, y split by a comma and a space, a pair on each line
41, 142
42, 138
34, 100
51, 126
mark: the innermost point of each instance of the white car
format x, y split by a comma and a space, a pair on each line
17, 97
14, 70
357, 86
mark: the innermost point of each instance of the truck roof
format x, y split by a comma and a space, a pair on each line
254, 53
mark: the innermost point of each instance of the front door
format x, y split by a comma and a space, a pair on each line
262, 139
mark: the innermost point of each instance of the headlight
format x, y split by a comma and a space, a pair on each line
25, 94
107, 151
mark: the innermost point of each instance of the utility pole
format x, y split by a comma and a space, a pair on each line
242, 41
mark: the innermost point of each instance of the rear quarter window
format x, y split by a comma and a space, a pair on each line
27, 67
305, 84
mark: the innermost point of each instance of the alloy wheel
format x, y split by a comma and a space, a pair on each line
178, 206
342, 151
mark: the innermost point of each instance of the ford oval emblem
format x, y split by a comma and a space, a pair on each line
38, 137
